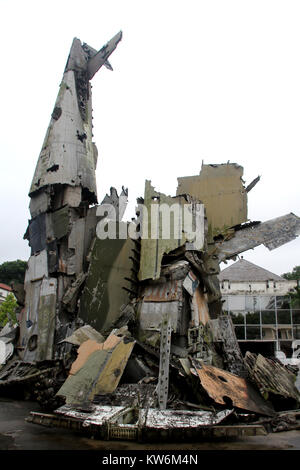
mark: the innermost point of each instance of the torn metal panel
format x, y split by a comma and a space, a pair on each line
70, 295
100, 373
252, 184
191, 282
37, 267
76, 247
37, 233
91, 220
84, 333
165, 419
39, 203
119, 203
272, 378
221, 190
163, 292
98, 414
72, 196
28, 322
232, 354
199, 308
272, 234
151, 314
107, 288
53, 257
164, 219
224, 387
61, 222
6, 350
91, 345
46, 319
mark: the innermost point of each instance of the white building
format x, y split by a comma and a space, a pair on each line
4, 291
258, 302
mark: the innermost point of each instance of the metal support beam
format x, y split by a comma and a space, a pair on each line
165, 348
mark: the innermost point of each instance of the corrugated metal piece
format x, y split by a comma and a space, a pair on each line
163, 292
222, 387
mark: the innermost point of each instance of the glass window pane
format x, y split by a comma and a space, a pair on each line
253, 332
296, 317
239, 332
284, 317
268, 317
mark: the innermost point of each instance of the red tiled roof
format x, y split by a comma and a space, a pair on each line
5, 287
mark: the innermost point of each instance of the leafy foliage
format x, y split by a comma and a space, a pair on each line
8, 310
13, 271
294, 275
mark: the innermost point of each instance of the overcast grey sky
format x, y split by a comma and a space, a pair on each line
193, 80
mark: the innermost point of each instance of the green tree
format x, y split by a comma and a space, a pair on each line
295, 298
294, 275
13, 271
8, 310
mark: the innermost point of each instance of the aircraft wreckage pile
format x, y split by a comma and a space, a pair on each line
123, 337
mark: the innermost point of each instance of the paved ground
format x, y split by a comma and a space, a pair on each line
17, 434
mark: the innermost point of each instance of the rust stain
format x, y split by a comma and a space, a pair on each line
89, 347
166, 292
200, 304
226, 388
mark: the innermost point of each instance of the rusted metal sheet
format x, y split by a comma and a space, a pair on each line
163, 292
224, 387
200, 312
88, 347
